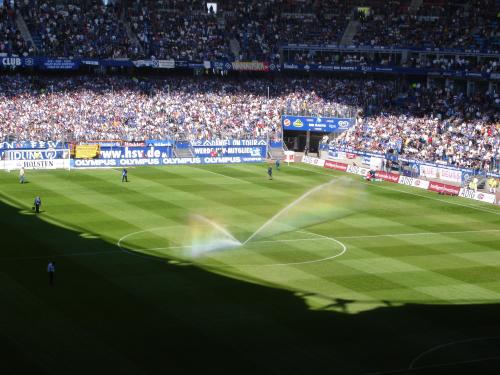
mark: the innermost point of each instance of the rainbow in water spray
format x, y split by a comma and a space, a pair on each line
325, 203
207, 235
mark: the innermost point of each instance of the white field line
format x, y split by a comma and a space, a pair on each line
451, 343
430, 367
344, 249
419, 234
321, 237
223, 175
341, 237
385, 235
410, 193
325, 238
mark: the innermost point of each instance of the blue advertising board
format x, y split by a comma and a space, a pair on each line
242, 151
377, 69
229, 142
58, 64
446, 172
13, 62
32, 145
37, 154
135, 152
128, 162
158, 142
48, 63
316, 124
357, 152
392, 48
152, 152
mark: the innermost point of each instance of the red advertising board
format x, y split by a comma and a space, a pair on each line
444, 188
387, 176
335, 165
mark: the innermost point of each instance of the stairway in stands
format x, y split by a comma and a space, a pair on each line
234, 45
132, 37
183, 149
276, 152
350, 32
415, 5
25, 33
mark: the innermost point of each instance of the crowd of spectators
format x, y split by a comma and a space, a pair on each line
351, 58
260, 27
433, 125
11, 41
244, 29
178, 30
181, 29
88, 108
465, 25
427, 124
467, 63
256, 28
79, 29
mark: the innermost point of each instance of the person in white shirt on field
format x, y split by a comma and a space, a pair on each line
21, 176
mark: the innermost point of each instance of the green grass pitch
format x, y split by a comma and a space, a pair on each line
217, 269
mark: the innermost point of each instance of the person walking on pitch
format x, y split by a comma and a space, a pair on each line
278, 164
51, 268
270, 172
124, 175
21, 175
37, 204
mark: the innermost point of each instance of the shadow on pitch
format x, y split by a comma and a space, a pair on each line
110, 312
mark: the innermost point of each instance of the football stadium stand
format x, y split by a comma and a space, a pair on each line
247, 30
439, 100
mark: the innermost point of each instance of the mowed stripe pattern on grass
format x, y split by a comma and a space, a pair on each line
241, 199
443, 268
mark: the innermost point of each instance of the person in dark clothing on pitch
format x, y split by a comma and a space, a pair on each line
124, 175
51, 268
270, 172
37, 203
